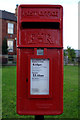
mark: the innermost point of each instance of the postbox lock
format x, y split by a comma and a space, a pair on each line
26, 79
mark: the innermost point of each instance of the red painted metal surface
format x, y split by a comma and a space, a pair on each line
40, 26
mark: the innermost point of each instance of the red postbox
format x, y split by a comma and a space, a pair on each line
40, 60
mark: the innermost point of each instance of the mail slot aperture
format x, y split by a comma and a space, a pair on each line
39, 25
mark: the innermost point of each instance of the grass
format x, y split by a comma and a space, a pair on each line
70, 93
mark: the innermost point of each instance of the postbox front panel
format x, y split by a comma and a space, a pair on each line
40, 60
36, 101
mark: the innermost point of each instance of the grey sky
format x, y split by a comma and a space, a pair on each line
70, 16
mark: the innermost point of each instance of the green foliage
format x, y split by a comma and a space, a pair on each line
71, 53
4, 46
65, 54
70, 93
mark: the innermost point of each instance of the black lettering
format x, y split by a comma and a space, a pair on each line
40, 75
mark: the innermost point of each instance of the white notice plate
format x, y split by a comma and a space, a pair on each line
39, 81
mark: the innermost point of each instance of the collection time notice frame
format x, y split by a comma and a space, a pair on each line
39, 80
39, 83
